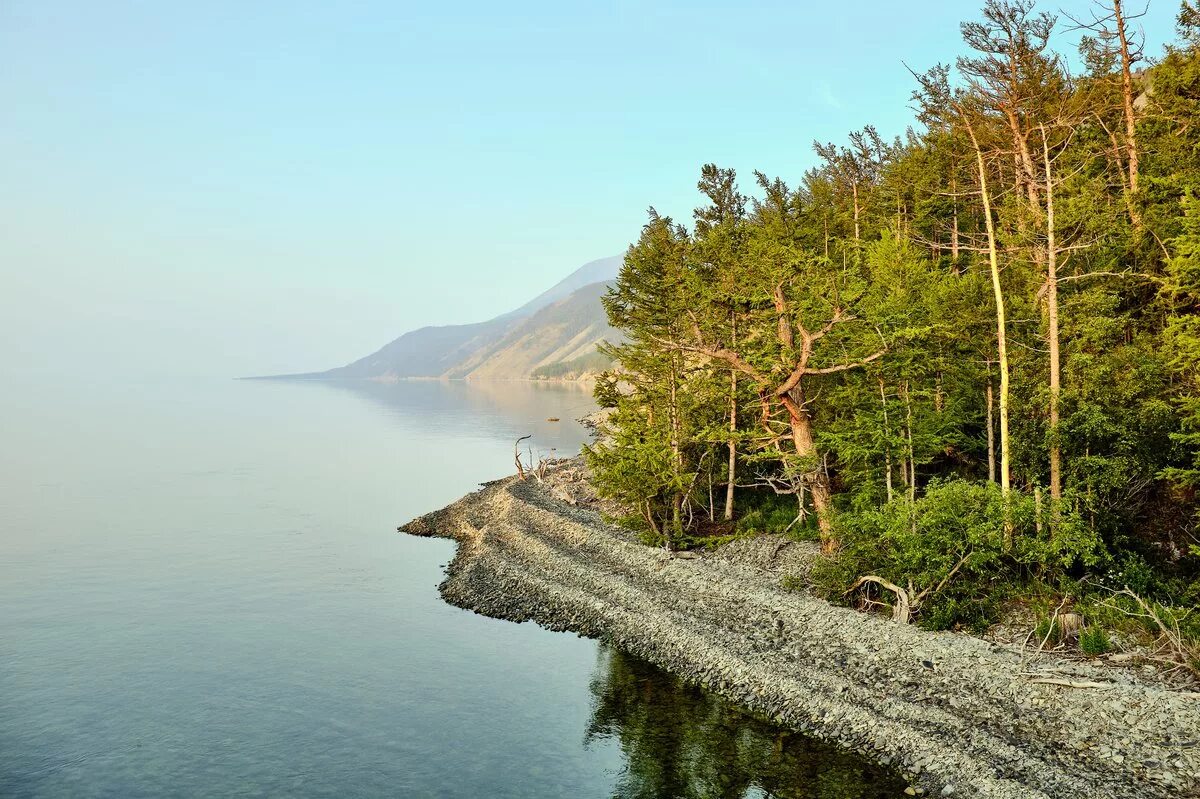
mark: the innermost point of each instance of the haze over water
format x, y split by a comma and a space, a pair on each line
203, 594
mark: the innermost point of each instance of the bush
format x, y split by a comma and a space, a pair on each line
951, 544
771, 513
974, 615
1048, 631
1093, 641
1131, 572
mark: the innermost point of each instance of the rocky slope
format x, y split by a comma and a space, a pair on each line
958, 715
562, 332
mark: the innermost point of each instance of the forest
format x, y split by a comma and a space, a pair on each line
965, 360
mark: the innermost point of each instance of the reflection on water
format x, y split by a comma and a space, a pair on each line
511, 408
682, 742
202, 593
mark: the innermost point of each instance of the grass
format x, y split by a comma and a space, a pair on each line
1094, 641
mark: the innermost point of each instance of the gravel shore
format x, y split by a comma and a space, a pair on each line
957, 715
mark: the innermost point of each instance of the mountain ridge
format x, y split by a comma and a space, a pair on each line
556, 331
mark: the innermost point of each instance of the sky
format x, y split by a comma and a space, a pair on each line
228, 188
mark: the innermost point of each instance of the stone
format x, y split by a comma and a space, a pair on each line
901, 694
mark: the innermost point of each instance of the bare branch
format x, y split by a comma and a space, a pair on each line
845, 367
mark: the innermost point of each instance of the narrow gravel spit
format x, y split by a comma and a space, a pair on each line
958, 716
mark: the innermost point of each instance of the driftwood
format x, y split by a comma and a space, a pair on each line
517, 456
543, 464
1174, 650
902, 610
1070, 683
907, 604
537, 469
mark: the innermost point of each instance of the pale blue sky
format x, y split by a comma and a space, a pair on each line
221, 188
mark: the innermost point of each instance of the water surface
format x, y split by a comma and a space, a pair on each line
202, 594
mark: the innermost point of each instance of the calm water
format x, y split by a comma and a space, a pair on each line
202, 594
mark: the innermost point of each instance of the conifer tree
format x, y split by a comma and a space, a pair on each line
717, 252
1006, 294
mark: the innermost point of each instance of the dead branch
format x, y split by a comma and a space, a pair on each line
1142, 275
1173, 649
517, 456
927, 592
1069, 683
901, 611
845, 367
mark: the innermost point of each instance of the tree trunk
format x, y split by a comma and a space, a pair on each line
1001, 323
648, 515
1037, 509
712, 512
1024, 179
676, 455
911, 477
1127, 97
814, 478
991, 431
676, 519
857, 232
1052, 326
729, 486
954, 265
887, 435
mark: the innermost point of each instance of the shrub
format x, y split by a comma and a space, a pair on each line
1094, 641
950, 546
974, 615
1131, 572
771, 513
1048, 631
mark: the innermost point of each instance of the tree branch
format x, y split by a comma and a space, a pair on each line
845, 367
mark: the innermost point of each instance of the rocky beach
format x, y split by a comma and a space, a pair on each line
956, 715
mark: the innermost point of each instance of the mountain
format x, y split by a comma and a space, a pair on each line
553, 335
601, 271
559, 333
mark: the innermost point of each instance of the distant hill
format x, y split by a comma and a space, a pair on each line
602, 271
562, 331
554, 335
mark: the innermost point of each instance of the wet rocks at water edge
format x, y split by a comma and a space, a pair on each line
958, 716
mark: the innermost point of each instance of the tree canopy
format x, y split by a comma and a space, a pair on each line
999, 309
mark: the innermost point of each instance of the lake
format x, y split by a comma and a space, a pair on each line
202, 593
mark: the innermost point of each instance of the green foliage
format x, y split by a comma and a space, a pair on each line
1047, 632
1131, 571
1148, 622
841, 336
766, 512
1094, 641
652, 451
1182, 338
959, 611
768, 520
951, 542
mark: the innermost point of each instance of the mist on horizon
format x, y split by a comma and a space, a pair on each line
231, 189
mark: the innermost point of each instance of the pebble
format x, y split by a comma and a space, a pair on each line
866, 681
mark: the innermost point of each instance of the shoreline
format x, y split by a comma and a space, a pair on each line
956, 715
585, 379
